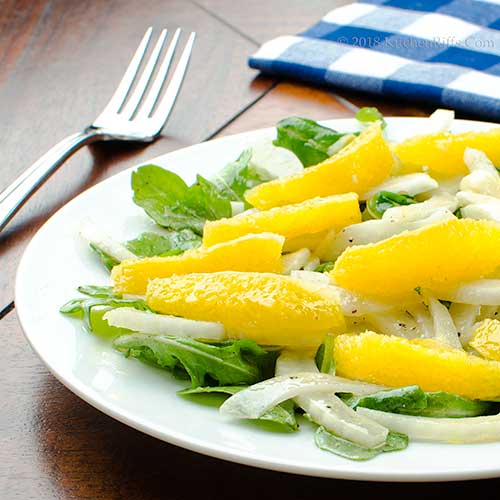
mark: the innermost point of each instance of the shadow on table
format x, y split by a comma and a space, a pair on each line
90, 455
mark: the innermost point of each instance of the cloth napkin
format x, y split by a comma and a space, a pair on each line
441, 52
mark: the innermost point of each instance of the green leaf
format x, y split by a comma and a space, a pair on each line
395, 442
328, 441
325, 267
410, 398
239, 362
103, 292
107, 261
308, 140
92, 309
208, 389
168, 200
446, 405
73, 308
282, 415
445, 303
458, 213
369, 115
383, 200
324, 355
332, 443
239, 176
171, 243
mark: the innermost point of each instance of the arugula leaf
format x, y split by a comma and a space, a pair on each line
395, 442
324, 355
171, 243
308, 140
325, 267
369, 115
92, 309
383, 200
107, 261
239, 362
446, 405
239, 176
328, 441
282, 415
412, 400
168, 200
98, 291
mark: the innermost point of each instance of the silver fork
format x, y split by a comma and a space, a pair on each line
134, 119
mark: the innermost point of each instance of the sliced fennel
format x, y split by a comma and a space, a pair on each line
261, 397
470, 197
352, 304
424, 321
237, 207
295, 260
274, 160
464, 317
372, 231
440, 121
481, 211
484, 177
428, 208
442, 430
476, 160
338, 145
329, 411
311, 276
312, 263
483, 182
398, 323
410, 184
480, 292
159, 324
95, 236
444, 328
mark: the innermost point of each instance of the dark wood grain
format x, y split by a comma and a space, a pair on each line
61, 63
261, 20
291, 99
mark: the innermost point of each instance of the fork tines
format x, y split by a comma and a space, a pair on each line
130, 99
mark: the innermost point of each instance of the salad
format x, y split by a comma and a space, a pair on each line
325, 275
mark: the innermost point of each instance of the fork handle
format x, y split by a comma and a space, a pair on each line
15, 195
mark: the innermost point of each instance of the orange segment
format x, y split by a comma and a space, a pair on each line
254, 252
311, 241
359, 166
486, 339
269, 308
443, 153
398, 362
437, 257
291, 221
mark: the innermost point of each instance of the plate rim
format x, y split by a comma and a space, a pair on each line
219, 451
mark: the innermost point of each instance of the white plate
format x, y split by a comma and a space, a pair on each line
56, 262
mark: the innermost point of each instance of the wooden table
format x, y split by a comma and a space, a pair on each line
59, 62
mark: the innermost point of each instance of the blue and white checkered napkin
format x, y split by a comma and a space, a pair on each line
442, 52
